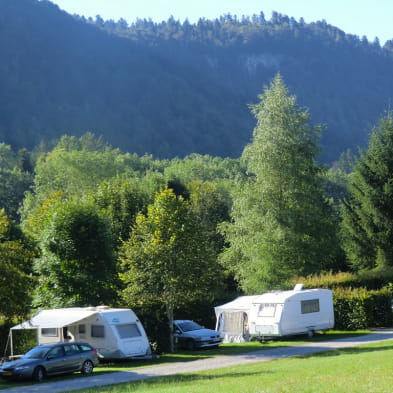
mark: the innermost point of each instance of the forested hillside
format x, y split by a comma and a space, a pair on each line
173, 88
84, 223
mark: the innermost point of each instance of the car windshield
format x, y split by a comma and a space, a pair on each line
36, 353
187, 326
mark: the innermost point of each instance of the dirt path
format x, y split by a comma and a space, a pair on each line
200, 365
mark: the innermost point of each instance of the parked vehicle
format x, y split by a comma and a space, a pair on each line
276, 314
116, 333
190, 335
52, 359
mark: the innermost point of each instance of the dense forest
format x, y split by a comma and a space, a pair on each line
83, 223
171, 88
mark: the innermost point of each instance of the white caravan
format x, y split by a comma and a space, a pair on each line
116, 333
285, 313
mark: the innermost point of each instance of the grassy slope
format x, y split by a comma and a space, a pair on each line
356, 370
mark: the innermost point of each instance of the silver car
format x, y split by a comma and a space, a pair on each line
189, 335
52, 359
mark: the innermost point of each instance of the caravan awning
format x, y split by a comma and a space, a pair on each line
55, 318
242, 303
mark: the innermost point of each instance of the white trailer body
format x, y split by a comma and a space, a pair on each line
285, 313
116, 333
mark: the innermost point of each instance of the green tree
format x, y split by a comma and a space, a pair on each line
121, 200
337, 176
16, 281
282, 222
13, 185
76, 266
168, 259
210, 209
203, 167
368, 212
14, 181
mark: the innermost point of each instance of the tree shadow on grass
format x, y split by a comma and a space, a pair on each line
195, 377
347, 351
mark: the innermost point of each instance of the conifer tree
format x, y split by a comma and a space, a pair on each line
368, 213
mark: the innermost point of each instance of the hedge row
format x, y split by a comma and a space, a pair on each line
372, 279
361, 300
360, 308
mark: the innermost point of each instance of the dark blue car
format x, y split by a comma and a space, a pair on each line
52, 359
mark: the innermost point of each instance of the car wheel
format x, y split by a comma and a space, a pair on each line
38, 374
190, 345
87, 367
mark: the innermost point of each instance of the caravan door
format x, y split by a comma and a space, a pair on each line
233, 325
133, 342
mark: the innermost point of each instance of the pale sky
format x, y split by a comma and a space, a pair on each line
372, 18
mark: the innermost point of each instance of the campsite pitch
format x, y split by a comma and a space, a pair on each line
200, 365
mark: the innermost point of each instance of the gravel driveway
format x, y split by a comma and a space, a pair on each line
200, 365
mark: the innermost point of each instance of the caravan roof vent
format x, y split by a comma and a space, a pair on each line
102, 307
298, 287
90, 308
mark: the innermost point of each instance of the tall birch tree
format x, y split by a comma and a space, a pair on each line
282, 223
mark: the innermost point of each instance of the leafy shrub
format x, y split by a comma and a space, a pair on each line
360, 308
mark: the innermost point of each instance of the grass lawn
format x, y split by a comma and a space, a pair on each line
182, 356
367, 368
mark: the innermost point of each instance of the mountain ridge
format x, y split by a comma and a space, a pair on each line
171, 89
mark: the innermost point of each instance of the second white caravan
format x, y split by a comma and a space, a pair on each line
285, 313
275, 314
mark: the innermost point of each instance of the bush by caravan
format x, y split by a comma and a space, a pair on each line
275, 314
116, 333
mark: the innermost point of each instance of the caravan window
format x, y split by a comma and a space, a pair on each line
309, 306
267, 310
128, 331
82, 329
49, 332
97, 331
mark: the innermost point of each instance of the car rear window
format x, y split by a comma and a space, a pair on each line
71, 349
85, 347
